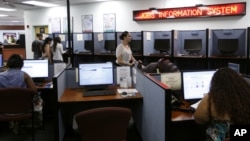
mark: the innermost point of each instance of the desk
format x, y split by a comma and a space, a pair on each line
72, 102
75, 95
184, 127
181, 116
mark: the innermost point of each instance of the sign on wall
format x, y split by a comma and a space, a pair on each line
229, 9
54, 24
87, 23
109, 22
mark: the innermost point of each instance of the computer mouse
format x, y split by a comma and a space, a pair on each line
124, 93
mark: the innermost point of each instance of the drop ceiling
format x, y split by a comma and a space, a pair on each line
16, 17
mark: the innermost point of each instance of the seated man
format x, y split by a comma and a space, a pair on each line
163, 65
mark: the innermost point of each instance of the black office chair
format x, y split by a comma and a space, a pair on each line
104, 124
16, 104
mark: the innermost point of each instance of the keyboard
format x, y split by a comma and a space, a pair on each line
39, 84
99, 93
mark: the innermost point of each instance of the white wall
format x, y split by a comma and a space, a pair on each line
124, 17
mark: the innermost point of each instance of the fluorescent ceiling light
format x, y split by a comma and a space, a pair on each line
38, 3
15, 21
1, 15
6, 9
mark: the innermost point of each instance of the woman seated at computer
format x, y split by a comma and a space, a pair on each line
14, 76
124, 55
227, 102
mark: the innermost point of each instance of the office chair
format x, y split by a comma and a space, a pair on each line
16, 104
103, 124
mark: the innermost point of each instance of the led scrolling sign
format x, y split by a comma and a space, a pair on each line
229, 9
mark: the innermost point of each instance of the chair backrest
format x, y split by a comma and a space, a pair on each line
16, 100
106, 123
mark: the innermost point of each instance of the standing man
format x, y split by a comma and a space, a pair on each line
37, 46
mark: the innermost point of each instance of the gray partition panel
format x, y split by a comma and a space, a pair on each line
71, 78
150, 118
59, 84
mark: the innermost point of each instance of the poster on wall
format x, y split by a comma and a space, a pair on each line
54, 25
87, 23
109, 22
9, 38
65, 24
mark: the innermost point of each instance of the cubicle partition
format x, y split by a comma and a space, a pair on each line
59, 85
153, 117
155, 120
67, 80
190, 43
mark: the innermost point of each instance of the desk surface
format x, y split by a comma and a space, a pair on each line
44, 85
75, 95
180, 115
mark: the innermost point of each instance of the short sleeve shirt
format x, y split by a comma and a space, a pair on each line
125, 52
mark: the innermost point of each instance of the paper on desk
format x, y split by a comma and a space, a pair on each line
127, 90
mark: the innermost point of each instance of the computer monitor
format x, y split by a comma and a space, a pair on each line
162, 45
1, 60
193, 46
88, 45
196, 84
37, 69
95, 75
110, 45
136, 45
228, 47
234, 66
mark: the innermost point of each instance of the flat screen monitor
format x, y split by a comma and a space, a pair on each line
110, 45
193, 46
196, 84
162, 45
234, 66
228, 47
1, 60
36, 68
95, 75
136, 45
88, 45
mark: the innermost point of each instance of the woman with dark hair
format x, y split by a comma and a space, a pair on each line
124, 55
227, 102
46, 50
57, 50
14, 76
